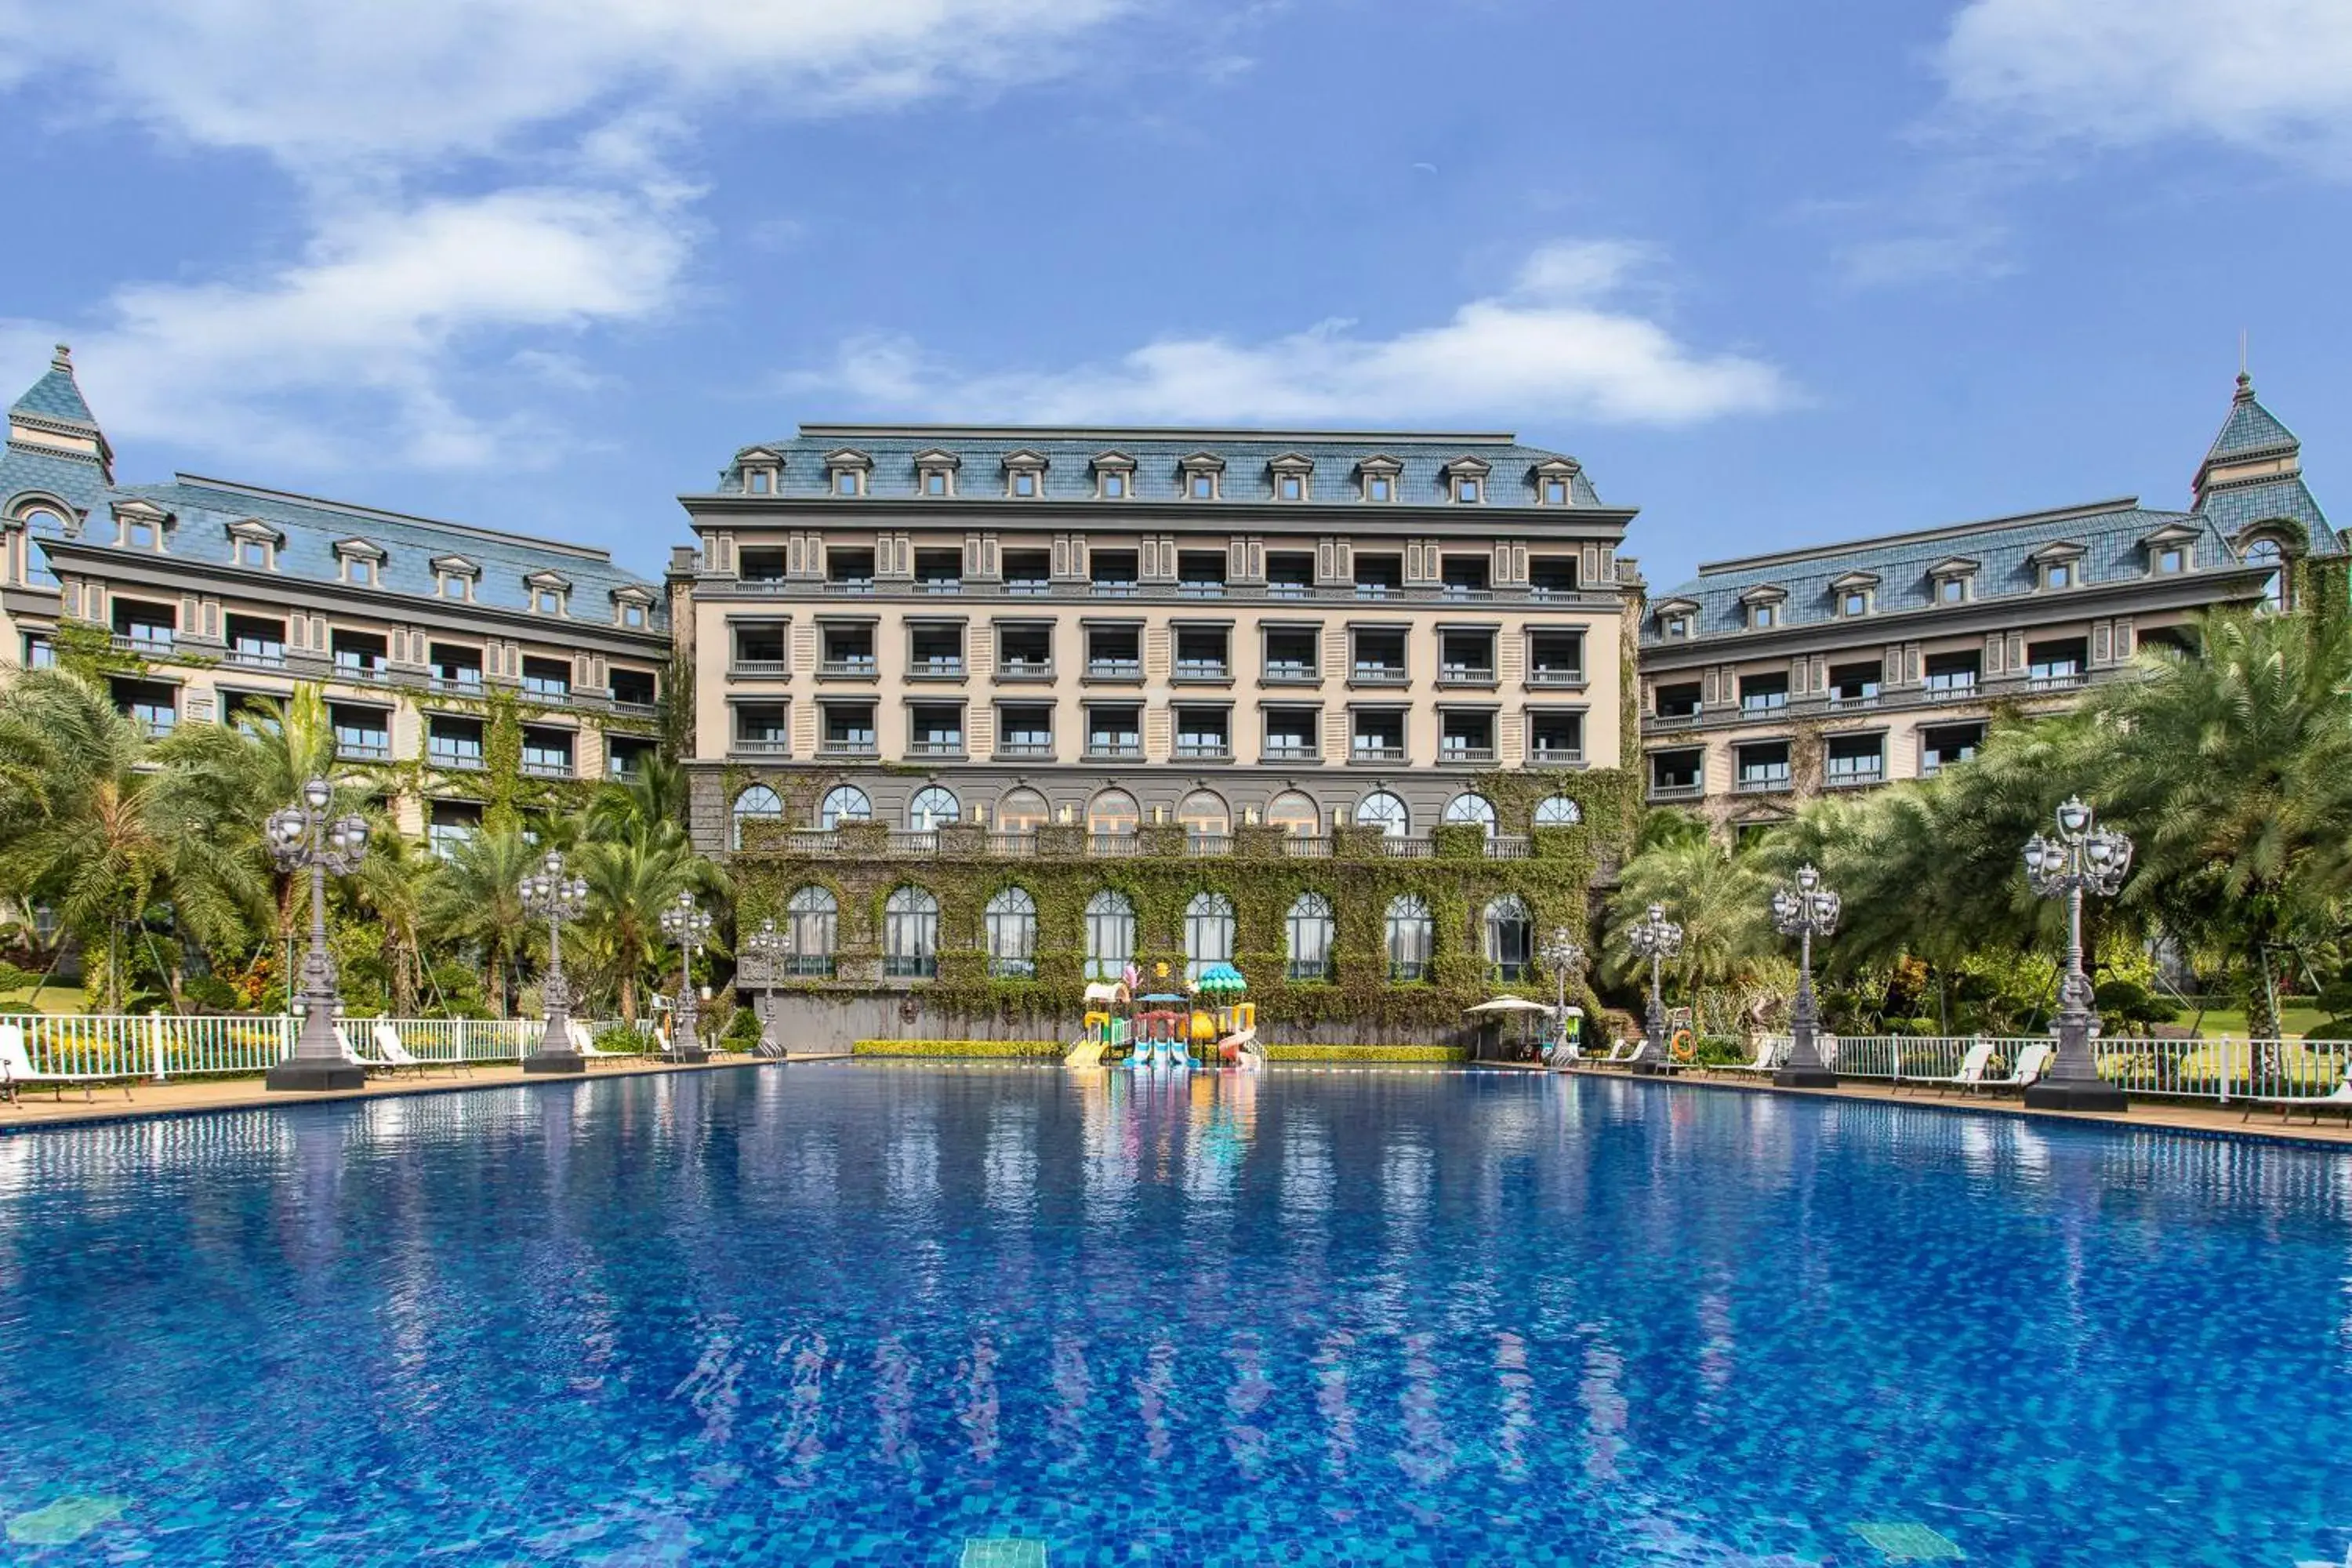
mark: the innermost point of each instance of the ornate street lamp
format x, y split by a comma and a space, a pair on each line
773, 948
549, 895
1657, 939
1805, 911
688, 926
2082, 858
302, 839
1562, 955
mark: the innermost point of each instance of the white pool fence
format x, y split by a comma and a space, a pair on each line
162, 1047
2220, 1069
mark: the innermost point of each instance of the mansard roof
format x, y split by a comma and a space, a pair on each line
1250, 459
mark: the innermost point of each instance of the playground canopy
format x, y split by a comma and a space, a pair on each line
1223, 978
1502, 1005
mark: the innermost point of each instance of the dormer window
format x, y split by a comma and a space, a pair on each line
1466, 481
253, 544
1554, 482
356, 562
845, 472
2172, 558
1952, 582
551, 594
1855, 595
1677, 618
1292, 474
1024, 475
1766, 607
763, 468
1113, 476
2170, 550
935, 473
2061, 566
632, 607
142, 525
1378, 476
1203, 475
454, 577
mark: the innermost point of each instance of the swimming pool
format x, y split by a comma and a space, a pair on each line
874, 1313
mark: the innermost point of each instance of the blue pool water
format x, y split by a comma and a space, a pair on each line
869, 1313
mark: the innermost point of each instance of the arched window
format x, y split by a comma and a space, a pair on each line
1510, 935
1470, 811
1383, 811
811, 924
1207, 932
1310, 932
932, 808
1111, 817
1558, 811
757, 804
2266, 554
1294, 813
40, 520
844, 803
910, 934
1011, 930
1110, 935
1410, 936
1022, 811
1204, 814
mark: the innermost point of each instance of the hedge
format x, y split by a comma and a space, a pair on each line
1368, 1053
1057, 1049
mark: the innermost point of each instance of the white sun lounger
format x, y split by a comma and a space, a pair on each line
400, 1059
1973, 1063
585, 1043
16, 1067
2338, 1099
2031, 1063
1767, 1058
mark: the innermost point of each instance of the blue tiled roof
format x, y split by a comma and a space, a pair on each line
2234, 508
2250, 428
1070, 455
2110, 534
56, 395
310, 527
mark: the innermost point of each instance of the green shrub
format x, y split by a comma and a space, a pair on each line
2129, 1002
1054, 1049
15, 979
1368, 1053
742, 1030
621, 1038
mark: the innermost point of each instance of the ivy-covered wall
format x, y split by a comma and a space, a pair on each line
1359, 879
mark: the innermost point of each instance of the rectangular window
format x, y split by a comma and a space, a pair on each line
152, 706
1945, 744
456, 667
761, 728
359, 656
760, 481
1292, 488
452, 742
1114, 732
1025, 652
1201, 573
1465, 659
1856, 602
1465, 738
849, 728
2171, 558
362, 734
1379, 658
1025, 730
1378, 487
2053, 666
144, 628
1856, 758
1112, 573
548, 679
1292, 734
1763, 693
1114, 487
253, 552
1465, 577
848, 651
1763, 617
1679, 701
1554, 740
1465, 488
1764, 766
935, 729
849, 570
1555, 492
1292, 654
1200, 654
1114, 653
1854, 683
1204, 487
547, 753
1378, 576
254, 641
1203, 733
633, 687
1953, 672
1376, 735
845, 483
935, 651
1028, 573
1675, 773
1951, 590
1025, 484
935, 483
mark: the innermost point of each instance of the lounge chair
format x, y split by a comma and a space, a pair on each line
2031, 1063
398, 1057
2338, 1099
585, 1043
1973, 1063
1621, 1053
16, 1067
1767, 1058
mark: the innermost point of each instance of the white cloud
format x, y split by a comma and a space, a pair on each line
1551, 347
2272, 76
377, 314
321, 86
392, 120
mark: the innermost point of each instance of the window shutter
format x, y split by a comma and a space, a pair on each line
1995, 651
2124, 639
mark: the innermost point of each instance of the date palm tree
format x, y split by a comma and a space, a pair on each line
475, 902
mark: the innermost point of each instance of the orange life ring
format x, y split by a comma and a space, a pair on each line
1683, 1047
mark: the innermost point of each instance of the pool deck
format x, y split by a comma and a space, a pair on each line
2169, 1115
35, 1108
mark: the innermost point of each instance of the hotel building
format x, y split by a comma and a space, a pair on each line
465, 669
1771, 677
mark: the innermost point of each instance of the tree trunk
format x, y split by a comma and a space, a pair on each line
2262, 1019
629, 999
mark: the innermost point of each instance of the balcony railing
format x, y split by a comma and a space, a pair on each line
547, 767
1114, 669
861, 668
1555, 674
1846, 778
152, 642
635, 709
1544, 756
938, 585
1762, 783
1205, 750
1199, 844
1199, 589
1466, 674
449, 761
1110, 846
761, 746
363, 750
1204, 669
760, 669
1461, 754
1028, 587
1291, 751
1024, 669
1676, 789
465, 683
1378, 675
1365, 751
1292, 670
938, 666
1290, 590
1105, 749
847, 746
849, 585
258, 655
1022, 844
940, 746
1112, 588
1012, 749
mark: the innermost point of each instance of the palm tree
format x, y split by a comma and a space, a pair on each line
630, 883
90, 824
475, 900
1719, 898
2229, 767
393, 888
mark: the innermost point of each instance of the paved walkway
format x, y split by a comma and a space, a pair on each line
35, 1106
2187, 1116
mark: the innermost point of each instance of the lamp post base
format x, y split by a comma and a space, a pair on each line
1804, 1077
1647, 1069
555, 1062
315, 1075
2077, 1094
686, 1054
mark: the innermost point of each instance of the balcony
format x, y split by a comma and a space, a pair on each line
1204, 669
550, 693
546, 766
1114, 669
861, 668
1290, 751
1104, 748
1011, 750
363, 748
760, 746
635, 709
936, 667
1466, 674
1542, 755
1112, 588
257, 655
462, 683
1770, 782
1676, 789
1378, 675
850, 586
1292, 672
1853, 777
1204, 750
1365, 751
759, 669
146, 642
1555, 676
453, 760
936, 748
847, 746
1462, 754
1026, 669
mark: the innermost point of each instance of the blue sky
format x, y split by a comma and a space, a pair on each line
1777, 272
